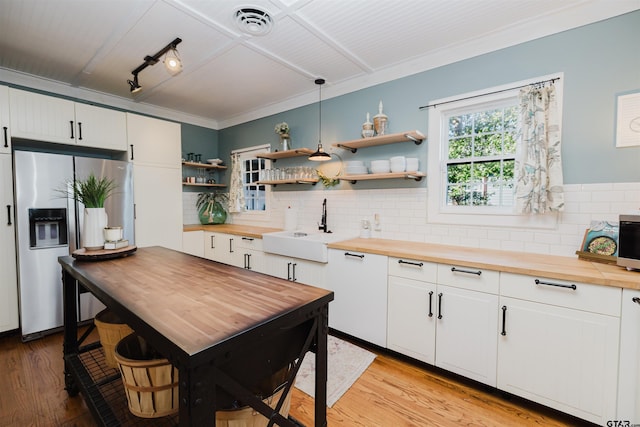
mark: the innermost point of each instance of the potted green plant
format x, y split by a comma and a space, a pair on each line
211, 209
92, 193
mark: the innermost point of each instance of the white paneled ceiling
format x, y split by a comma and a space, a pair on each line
88, 48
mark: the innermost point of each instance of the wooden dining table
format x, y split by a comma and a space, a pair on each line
223, 327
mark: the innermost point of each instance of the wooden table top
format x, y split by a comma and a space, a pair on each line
549, 266
193, 302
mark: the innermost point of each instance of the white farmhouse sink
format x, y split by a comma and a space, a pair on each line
298, 244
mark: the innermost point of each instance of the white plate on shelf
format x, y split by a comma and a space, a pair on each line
214, 161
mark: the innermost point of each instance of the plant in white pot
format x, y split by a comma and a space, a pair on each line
211, 209
92, 193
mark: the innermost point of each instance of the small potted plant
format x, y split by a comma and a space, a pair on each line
211, 209
92, 192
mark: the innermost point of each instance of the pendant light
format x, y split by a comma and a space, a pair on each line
320, 155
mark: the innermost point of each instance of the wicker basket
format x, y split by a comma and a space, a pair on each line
150, 383
110, 330
249, 417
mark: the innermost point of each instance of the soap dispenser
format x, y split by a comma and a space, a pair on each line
365, 228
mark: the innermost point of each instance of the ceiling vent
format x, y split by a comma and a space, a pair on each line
253, 21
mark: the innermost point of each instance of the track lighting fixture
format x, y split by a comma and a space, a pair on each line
171, 62
134, 85
320, 155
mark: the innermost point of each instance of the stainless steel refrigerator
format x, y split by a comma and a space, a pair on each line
48, 225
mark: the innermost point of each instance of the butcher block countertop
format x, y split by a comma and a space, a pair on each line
549, 266
193, 302
240, 230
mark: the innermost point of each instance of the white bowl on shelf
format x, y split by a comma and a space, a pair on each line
354, 163
379, 166
214, 161
352, 170
413, 164
397, 164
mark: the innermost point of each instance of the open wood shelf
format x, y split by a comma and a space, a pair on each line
203, 165
195, 184
393, 138
296, 152
311, 181
371, 176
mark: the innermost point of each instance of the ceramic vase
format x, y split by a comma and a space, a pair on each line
212, 213
285, 142
95, 220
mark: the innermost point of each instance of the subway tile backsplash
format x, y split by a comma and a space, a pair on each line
402, 214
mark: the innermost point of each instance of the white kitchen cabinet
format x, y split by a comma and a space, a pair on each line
214, 246
296, 269
193, 242
411, 325
158, 206
559, 344
359, 282
154, 142
434, 317
629, 372
157, 185
411, 320
8, 278
237, 250
467, 333
47, 118
248, 253
5, 121
98, 127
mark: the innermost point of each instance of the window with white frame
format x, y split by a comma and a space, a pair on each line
255, 195
472, 146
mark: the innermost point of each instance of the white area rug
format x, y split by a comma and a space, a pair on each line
345, 363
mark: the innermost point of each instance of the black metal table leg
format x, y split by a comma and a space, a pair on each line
70, 343
320, 417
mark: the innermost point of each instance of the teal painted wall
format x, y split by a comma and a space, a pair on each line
599, 61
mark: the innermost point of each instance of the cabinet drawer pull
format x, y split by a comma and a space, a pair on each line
558, 285
636, 300
504, 321
247, 261
354, 255
430, 300
248, 238
460, 270
440, 305
71, 123
417, 264
213, 244
230, 246
8, 214
293, 267
6, 137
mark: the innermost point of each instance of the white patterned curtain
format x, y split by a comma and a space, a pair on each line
236, 189
538, 165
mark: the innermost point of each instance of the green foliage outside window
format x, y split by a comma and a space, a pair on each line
481, 153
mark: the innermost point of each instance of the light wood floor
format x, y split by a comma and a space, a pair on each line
391, 393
